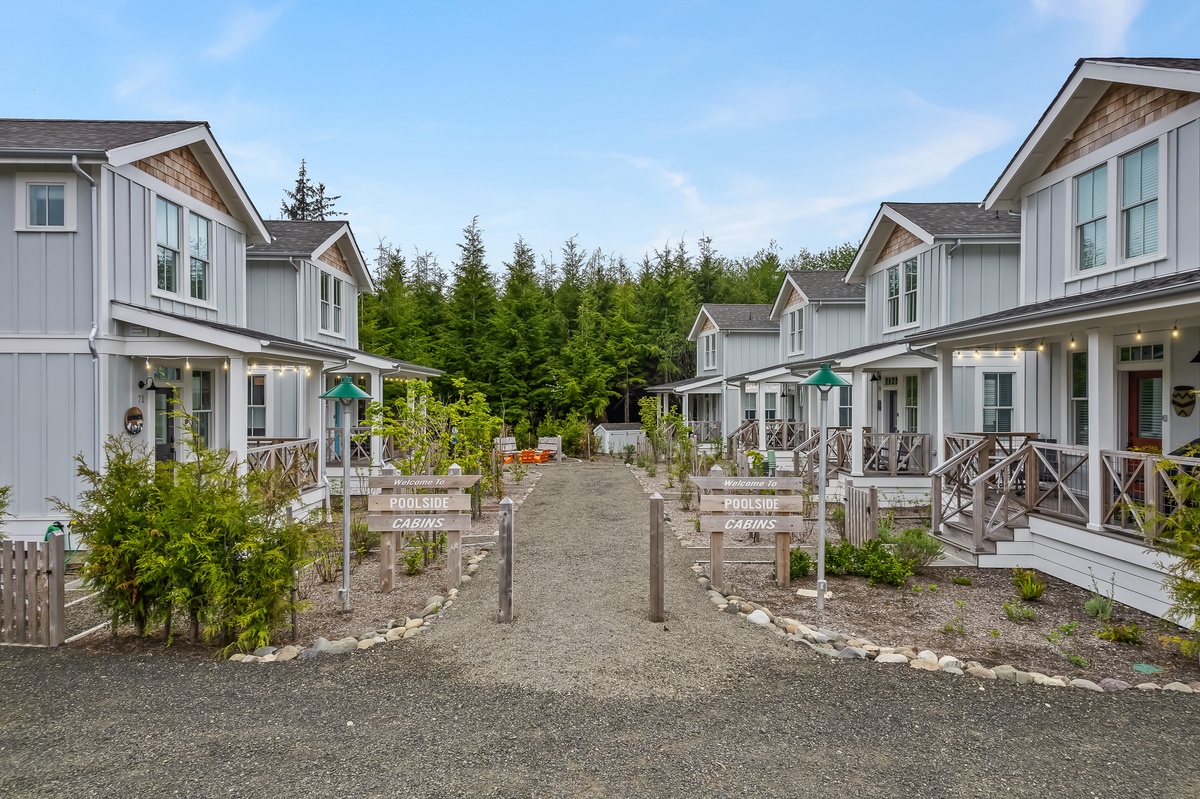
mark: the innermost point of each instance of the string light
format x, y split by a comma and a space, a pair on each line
976, 352
1041, 345
1175, 330
1138, 334
147, 364
1072, 344
995, 349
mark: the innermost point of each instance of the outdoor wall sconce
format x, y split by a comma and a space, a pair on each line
147, 384
874, 377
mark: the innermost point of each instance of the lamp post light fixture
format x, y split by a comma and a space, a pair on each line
824, 379
346, 392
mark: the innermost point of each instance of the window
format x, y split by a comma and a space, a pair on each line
911, 398
1079, 403
1091, 217
709, 344
167, 214
769, 406
751, 404
331, 304
845, 409
795, 327
902, 284
198, 248
43, 202
1145, 352
1149, 416
202, 404
997, 402
1139, 200
256, 406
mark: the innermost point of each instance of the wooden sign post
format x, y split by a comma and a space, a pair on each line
506, 560
433, 503
738, 504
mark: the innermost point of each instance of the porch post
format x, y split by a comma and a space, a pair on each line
944, 402
859, 414
313, 389
1102, 427
761, 413
237, 409
684, 407
376, 389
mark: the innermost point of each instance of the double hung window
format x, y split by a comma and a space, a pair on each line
997, 402
911, 398
256, 406
169, 230
902, 293
167, 218
795, 327
1079, 400
198, 230
331, 304
1091, 218
845, 409
751, 404
709, 344
202, 404
1139, 200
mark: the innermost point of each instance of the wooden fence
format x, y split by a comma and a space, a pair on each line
862, 513
32, 590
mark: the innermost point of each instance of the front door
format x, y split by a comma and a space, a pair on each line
893, 410
1145, 403
164, 423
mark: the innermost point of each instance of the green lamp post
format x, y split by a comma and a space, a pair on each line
345, 392
824, 379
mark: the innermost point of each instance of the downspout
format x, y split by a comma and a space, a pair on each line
91, 339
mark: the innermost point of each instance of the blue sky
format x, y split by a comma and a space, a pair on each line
626, 124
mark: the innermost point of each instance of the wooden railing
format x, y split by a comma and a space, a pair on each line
896, 454
705, 431
296, 457
745, 436
785, 433
360, 446
1141, 491
1061, 480
950, 487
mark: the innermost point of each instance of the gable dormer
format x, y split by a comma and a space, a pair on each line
732, 338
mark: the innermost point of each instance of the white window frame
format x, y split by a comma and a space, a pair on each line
845, 398
251, 406
70, 200
912, 413
750, 406
205, 416
904, 306
1115, 237
708, 343
331, 312
1157, 200
770, 406
795, 328
1017, 394
193, 255
183, 264
1079, 402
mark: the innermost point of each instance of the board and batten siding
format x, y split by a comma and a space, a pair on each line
45, 277
745, 351
271, 303
45, 420
830, 328
132, 255
1049, 226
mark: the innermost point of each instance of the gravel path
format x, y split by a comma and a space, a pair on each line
580, 696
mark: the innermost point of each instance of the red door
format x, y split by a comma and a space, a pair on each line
1145, 404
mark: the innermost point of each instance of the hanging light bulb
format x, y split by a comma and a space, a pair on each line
995, 349
1041, 345
147, 364
225, 366
1138, 334
187, 363
1072, 344
976, 352
1175, 330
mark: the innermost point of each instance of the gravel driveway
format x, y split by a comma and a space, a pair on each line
580, 696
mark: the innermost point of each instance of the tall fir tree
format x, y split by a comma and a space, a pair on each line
469, 311
519, 349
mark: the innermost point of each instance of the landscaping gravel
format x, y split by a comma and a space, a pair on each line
580, 696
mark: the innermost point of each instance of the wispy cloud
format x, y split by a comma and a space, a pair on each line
759, 106
243, 28
1108, 21
147, 76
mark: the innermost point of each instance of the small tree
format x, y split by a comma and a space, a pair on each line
1178, 534
5, 501
306, 202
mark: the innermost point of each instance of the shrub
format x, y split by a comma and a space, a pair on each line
325, 553
651, 469
800, 563
1028, 584
874, 561
915, 546
1098, 604
1121, 634
627, 453
5, 501
1018, 612
414, 559
362, 540
961, 580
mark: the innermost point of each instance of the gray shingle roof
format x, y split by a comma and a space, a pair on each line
1165, 285
295, 238
958, 219
1190, 64
836, 357
82, 135
827, 284
741, 316
614, 427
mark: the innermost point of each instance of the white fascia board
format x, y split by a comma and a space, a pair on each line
222, 339
873, 357
769, 375
210, 157
887, 219
782, 297
698, 325
357, 263
697, 385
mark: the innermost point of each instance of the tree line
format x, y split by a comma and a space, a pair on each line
583, 331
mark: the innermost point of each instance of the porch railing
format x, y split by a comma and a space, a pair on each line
745, 436
705, 431
359, 446
896, 454
1141, 491
785, 433
296, 457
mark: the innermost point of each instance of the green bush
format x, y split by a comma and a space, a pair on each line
1018, 612
1121, 634
961, 580
414, 559
874, 560
5, 501
915, 546
1099, 606
800, 563
1029, 586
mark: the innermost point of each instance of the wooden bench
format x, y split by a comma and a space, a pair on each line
505, 447
551, 445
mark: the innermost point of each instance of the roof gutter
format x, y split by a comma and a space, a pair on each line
95, 329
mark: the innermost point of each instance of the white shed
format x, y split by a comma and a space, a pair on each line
615, 436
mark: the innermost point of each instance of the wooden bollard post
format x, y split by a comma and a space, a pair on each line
657, 559
506, 560
57, 585
716, 546
387, 549
454, 543
783, 553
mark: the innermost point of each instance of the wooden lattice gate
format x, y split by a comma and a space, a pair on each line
32, 590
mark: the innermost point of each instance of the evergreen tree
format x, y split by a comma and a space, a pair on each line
583, 382
306, 202
519, 353
469, 312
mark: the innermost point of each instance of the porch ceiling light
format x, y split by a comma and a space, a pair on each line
1041, 345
